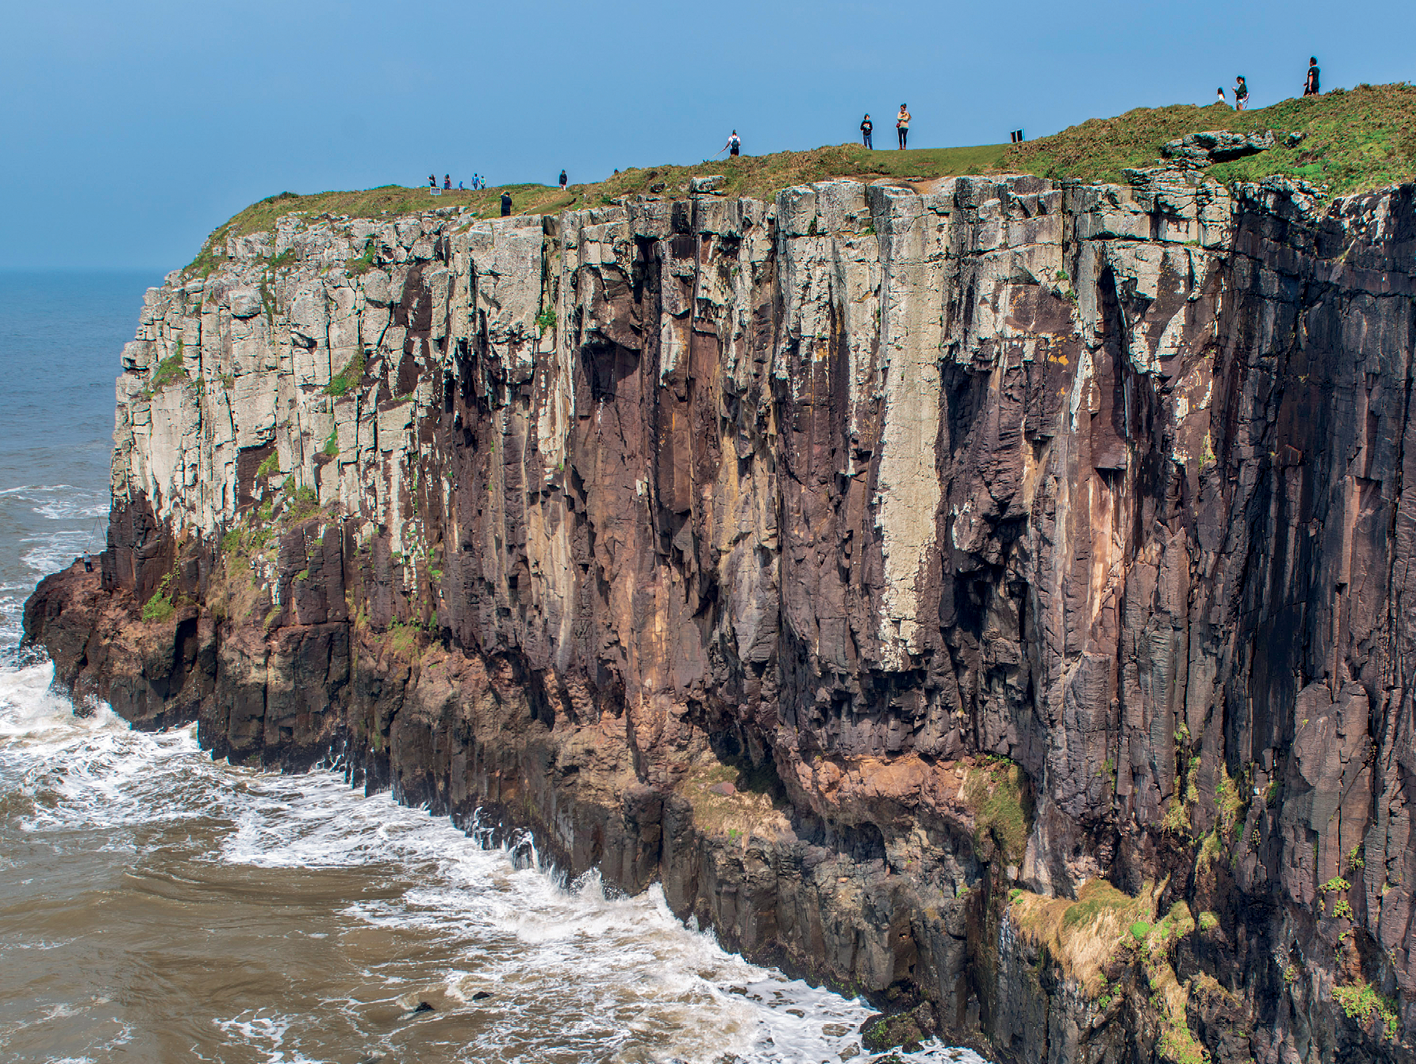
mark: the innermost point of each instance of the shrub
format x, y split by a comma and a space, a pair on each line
364, 262
302, 502
168, 371
1361, 1002
331, 445
1336, 885
1208, 921
269, 466
1343, 910
160, 606
546, 319
1139, 930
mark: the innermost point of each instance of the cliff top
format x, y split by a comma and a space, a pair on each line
1353, 140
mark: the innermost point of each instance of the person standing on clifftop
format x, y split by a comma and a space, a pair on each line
902, 124
432, 180
506, 204
1221, 98
447, 182
1241, 94
563, 180
865, 127
734, 144
1310, 87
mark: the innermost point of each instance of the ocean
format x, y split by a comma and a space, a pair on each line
156, 905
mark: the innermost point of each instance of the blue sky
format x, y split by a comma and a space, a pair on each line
131, 130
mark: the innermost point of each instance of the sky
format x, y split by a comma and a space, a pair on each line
131, 130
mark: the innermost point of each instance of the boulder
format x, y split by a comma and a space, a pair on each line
245, 302
707, 185
1216, 146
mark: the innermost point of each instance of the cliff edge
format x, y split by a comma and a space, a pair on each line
989, 600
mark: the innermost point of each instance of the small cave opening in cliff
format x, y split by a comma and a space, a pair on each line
862, 843
758, 776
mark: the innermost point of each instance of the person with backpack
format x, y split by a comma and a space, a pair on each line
1241, 94
506, 204
733, 146
1310, 87
865, 127
902, 124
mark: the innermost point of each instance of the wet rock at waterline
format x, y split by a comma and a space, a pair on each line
977, 599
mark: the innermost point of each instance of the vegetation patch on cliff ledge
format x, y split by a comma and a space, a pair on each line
1083, 935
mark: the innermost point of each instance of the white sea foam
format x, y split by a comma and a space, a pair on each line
55, 550
574, 968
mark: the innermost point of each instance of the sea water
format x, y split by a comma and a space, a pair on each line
158, 906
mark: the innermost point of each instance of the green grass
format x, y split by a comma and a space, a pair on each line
300, 502
169, 371
1354, 140
347, 378
331, 445
365, 262
160, 607
271, 464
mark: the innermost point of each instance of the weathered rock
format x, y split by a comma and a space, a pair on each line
700, 186
1217, 146
886, 574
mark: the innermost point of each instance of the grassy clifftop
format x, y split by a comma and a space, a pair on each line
1353, 140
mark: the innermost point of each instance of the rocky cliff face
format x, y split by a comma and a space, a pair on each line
989, 599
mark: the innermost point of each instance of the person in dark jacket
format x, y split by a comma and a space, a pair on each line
447, 182
865, 128
1310, 87
1241, 94
506, 204
563, 180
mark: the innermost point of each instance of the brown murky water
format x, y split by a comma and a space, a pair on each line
157, 906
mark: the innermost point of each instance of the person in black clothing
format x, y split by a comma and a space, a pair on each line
563, 180
447, 182
1241, 94
865, 127
432, 180
506, 204
1310, 87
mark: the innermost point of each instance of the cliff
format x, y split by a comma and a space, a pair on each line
988, 599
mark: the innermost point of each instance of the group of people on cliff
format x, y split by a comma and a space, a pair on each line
1241, 88
478, 182
902, 127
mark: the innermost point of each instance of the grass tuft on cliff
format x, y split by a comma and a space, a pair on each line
1353, 140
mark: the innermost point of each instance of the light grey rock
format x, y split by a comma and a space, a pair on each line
709, 183
1216, 146
245, 302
